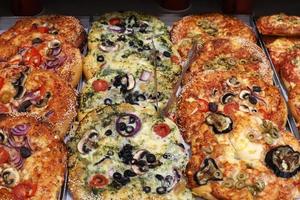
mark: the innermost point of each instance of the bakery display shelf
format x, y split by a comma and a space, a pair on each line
291, 123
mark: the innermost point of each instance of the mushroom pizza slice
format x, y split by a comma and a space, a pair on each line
294, 103
40, 92
253, 161
126, 151
129, 36
67, 27
126, 82
219, 99
224, 54
44, 51
33, 160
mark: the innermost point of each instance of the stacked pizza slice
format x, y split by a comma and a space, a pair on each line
232, 115
40, 64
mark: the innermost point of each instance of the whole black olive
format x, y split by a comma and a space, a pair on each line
117, 176
150, 158
100, 58
108, 132
25, 152
167, 54
108, 101
129, 173
159, 177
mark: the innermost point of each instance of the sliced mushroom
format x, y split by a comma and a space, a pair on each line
43, 102
219, 122
21, 80
85, 146
244, 94
284, 161
233, 82
131, 82
24, 106
53, 44
10, 177
3, 137
244, 108
140, 167
227, 97
209, 171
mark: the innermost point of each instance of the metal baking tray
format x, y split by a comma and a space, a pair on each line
291, 124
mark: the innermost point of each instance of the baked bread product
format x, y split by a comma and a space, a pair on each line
126, 82
67, 27
230, 94
230, 54
279, 24
289, 71
280, 47
122, 36
205, 27
33, 159
127, 152
45, 51
40, 92
294, 103
253, 161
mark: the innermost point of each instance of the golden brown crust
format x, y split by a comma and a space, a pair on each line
46, 166
230, 54
279, 24
61, 106
67, 61
68, 27
193, 102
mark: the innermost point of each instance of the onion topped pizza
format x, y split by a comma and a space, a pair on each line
40, 92
127, 152
32, 161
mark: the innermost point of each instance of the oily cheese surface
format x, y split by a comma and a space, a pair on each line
280, 48
279, 24
240, 163
48, 157
44, 51
232, 94
202, 28
230, 54
40, 92
129, 36
127, 82
109, 143
67, 27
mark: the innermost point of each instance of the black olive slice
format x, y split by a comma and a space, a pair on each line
212, 106
219, 122
209, 171
20, 92
284, 161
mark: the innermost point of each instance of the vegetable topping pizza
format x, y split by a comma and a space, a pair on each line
230, 54
32, 159
279, 24
220, 103
122, 36
44, 51
127, 152
40, 92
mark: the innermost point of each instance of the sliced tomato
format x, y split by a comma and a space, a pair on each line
162, 129
24, 190
4, 156
230, 108
33, 57
43, 29
202, 105
100, 85
114, 21
1, 82
265, 114
98, 181
42, 90
175, 59
3, 109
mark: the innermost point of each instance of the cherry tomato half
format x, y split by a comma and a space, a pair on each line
32, 57
162, 129
230, 108
100, 85
23, 190
98, 181
43, 29
1, 82
114, 21
4, 156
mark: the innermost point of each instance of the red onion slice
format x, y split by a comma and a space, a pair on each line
20, 129
146, 75
57, 62
117, 29
16, 158
108, 49
127, 116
